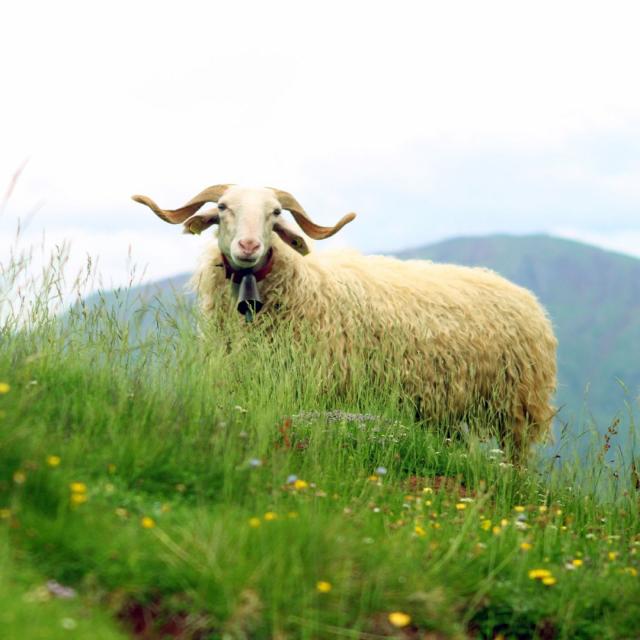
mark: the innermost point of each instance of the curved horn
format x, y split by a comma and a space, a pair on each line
176, 216
312, 229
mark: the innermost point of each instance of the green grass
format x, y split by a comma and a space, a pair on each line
200, 435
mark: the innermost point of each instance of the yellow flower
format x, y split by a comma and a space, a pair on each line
53, 461
399, 619
419, 531
519, 509
255, 522
147, 522
504, 522
539, 574
526, 546
78, 487
461, 506
300, 484
496, 531
549, 581
486, 524
613, 555
270, 515
427, 490
323, 586
632, 571
4, 387
78, 498
542, 508
577, 562
19, 477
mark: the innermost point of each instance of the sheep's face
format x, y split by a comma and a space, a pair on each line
247, 219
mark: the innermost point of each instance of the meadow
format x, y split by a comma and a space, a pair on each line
197, 482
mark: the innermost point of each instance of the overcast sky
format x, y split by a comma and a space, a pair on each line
429, 119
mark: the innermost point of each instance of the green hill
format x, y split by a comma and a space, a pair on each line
592, 295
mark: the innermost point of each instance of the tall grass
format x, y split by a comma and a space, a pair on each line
215, 483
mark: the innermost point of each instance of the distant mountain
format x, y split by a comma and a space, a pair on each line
592, 295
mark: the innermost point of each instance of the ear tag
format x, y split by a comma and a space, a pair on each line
195, 226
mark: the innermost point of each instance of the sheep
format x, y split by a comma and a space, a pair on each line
459, 339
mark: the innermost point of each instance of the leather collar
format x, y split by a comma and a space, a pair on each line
236, 275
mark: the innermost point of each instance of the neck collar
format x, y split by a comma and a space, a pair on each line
236, 275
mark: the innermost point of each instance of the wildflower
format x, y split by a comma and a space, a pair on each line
549, 581
577, 562
542, 508
435, 525
78, 498
419, 531
399, 619
381, 471
496, 530
291, 478
323, 586
519, 508
504, 522
68, 623
4, 388
147, 522
427, 490
612, 555
526, 546
53, 461
300, 484
255, 462
78, 487
461, 506
632, 571
255, 522
539, 574
486, 524
19, 477
270, 515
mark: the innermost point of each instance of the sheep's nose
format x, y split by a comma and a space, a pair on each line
249, 246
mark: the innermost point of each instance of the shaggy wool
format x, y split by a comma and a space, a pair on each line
457, 339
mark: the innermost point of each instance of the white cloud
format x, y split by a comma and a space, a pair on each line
353, 105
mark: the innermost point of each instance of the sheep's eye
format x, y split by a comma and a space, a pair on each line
277, 212
222, 206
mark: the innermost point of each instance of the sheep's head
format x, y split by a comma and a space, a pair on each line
246, 217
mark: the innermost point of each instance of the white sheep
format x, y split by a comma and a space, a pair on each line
460, 340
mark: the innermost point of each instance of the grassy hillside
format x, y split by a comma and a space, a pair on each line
216, 485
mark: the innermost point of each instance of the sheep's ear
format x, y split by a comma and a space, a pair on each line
201, 221
293, 239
